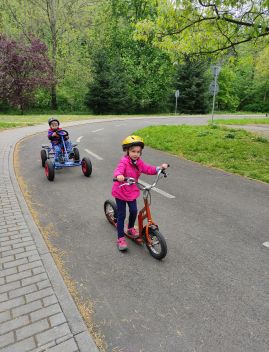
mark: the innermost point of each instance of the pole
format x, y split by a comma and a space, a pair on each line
176, 107
214, 98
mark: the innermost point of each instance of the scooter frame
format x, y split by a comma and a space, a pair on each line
150, 229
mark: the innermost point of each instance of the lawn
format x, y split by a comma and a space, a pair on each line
246, 121
11, 121
236, 151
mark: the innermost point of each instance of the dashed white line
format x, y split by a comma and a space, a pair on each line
266, 244
100, 129
79, 139
93, 154
165, 194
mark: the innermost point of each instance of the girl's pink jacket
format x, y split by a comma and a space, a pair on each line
128, 169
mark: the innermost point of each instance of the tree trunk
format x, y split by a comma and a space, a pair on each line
53, 94
51, 9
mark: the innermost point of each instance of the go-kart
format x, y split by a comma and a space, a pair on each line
65, 158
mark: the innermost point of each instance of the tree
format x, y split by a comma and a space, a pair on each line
244, 80
192, 81
108, 89
23, 68
142, 71
206, 27
262, 78
64, 26
227, 98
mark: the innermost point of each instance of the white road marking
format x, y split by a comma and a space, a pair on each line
266, 244
100, 129
93, 154
79, 139
165, 194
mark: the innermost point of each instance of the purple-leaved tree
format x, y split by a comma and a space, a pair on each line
23, 69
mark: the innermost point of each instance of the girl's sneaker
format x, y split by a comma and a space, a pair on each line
122, 244
132, 232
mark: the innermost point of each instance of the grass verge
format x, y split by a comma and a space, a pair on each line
236, 151
246, 121
11, 121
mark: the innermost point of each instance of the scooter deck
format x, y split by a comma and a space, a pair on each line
138, 240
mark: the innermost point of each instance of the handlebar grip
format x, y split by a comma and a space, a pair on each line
115, 179
163, 170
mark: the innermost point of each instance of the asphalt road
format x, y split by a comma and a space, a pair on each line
210, 294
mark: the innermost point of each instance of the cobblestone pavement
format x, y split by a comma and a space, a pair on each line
37, 312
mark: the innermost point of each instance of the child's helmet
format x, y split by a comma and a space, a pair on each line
53, 119
132, 141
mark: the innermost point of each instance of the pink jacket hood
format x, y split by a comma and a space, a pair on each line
128, 169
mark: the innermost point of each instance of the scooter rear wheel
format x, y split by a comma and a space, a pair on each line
158, 246
110, 209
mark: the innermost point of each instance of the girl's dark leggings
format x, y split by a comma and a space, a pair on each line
121, 207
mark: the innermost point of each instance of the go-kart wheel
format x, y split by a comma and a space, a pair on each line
76, 154
49, 170
111, 213
44, 157
86, 166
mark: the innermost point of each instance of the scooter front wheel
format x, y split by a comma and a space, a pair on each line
110, 209
157, 248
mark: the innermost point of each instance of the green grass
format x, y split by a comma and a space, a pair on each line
246, 121
11, 121
5, 125
236, 151
238, 113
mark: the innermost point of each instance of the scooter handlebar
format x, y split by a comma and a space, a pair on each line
125, 179
163, 171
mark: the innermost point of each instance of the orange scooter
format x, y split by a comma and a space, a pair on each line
148, 233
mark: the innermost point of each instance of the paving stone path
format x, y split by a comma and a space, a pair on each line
37, 312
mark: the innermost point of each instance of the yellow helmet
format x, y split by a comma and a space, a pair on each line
132, 141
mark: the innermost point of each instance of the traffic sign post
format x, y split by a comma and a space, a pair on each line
214, 87
176, 95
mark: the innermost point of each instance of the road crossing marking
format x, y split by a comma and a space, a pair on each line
93, 154
79, 139
165, 194
100, 129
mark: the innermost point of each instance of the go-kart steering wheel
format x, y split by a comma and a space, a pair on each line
63, 133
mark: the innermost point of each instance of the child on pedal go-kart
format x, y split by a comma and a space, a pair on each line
56, 140
130, 165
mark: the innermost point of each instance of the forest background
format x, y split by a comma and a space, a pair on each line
130, 56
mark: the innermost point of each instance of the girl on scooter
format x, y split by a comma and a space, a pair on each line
130, 165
